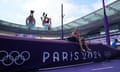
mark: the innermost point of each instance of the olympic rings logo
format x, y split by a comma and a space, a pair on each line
16, 57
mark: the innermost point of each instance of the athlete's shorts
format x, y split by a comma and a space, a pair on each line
30, 25
73, 39
46, 25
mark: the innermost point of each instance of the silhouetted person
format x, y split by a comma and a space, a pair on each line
114, 43
46, 21
30, 20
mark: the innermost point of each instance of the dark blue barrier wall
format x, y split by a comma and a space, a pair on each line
18, 53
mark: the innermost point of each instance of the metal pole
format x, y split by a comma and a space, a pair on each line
62, 32
106, 25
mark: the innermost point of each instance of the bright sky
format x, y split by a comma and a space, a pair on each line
16, 11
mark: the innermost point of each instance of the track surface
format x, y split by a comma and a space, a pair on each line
107, 66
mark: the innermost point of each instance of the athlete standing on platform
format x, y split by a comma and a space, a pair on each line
30, 20
46, 21
42, 18
75, 37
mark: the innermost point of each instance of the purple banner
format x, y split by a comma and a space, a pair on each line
17, 53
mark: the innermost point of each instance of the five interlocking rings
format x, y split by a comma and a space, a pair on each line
12, 57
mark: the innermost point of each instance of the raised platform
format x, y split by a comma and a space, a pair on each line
19, 53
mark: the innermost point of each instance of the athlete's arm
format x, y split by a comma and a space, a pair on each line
27, 20
50, 20
34, 21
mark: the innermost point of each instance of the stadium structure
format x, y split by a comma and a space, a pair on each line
90, 25
23, 54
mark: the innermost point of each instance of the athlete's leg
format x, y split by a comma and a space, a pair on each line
81, 45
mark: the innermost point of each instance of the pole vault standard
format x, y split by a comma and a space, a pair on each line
106, 25
62, 32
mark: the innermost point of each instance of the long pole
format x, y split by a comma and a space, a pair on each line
106, 25
62, 32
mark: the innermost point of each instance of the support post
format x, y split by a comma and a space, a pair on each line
62, 30
106, 25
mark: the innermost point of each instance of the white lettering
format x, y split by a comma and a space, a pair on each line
56, 57
65, 56
90, 55
99, 55
76, 56
84, 55
70, 56
95, 54
46, 55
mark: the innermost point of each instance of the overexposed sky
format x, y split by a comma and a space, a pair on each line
16, 11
